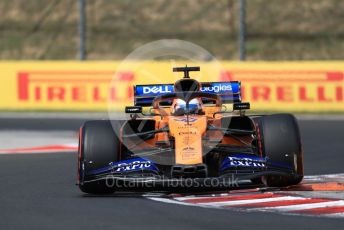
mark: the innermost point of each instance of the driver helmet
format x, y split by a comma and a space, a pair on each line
179, 107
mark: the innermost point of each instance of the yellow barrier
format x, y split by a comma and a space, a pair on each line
93, 86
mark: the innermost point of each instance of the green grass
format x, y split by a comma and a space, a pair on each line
277, 29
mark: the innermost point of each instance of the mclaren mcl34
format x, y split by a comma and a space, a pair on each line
183, 134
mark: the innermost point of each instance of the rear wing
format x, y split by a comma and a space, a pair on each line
230, 92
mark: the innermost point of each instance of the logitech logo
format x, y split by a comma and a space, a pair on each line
217, 88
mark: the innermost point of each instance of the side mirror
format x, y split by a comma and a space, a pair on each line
133, 109
241, 106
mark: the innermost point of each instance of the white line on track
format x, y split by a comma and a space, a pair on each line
303, 206
253, 201
171, 201
335, 215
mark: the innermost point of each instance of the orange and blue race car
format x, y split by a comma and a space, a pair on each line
185, 135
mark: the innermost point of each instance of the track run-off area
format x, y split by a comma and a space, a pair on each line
38, 173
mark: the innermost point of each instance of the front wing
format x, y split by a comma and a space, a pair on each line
235, 170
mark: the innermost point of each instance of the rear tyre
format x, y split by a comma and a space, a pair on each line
280, 141
98, 147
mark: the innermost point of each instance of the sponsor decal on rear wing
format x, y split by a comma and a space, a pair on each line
228, 91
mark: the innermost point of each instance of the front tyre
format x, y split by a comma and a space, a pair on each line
98, 147
280, 141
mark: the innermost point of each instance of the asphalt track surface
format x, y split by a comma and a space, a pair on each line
38, 191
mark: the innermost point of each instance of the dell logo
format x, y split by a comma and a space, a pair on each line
156, 89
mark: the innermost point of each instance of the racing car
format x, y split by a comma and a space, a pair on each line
188, 131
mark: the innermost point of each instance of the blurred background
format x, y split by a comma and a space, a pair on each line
111, 29
62, 55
